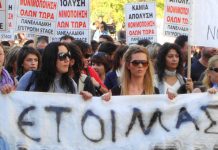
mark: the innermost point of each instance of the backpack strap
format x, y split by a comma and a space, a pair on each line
31, 80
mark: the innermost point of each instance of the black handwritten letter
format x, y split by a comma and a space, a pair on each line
212, 122
113, 120
21, 123
138, 115
58, 111
184, 116
89, 113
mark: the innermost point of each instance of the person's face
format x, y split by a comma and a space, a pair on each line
101, 27
172, 60
99, 68
213, 75
30, 62
63, 60
41, 44
138, 65
2, 57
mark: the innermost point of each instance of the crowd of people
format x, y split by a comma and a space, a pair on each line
105, 67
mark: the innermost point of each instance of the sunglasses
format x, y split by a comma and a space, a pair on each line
214, 69
87, 56
138, 62
63, 56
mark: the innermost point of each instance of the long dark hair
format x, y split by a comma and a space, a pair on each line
161, 59
118, 56
23, 53
78, 66
45, 77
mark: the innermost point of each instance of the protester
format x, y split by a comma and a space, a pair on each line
182, 41
28, 59
11, 62
210, 80
94, 45
6, 83
105, 38
54, 73
88, 70
137, 75
67, 39
101, 31
29, 43
170, 71
144, 42
113, 77
41, 43
153, 50
99, 62
84, 82
109, 48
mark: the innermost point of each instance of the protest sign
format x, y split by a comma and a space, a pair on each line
32, 120
140, 22
37, 16
73, 20
3, 14
9, 34
204, 23
176, 17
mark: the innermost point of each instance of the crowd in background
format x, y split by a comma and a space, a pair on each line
106, 66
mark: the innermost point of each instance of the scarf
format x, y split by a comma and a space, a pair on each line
5, 78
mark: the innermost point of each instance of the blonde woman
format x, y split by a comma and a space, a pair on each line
137, 74
210, 80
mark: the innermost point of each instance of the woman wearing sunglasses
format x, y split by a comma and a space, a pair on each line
210, 80
137, 74
54, 74
169, 77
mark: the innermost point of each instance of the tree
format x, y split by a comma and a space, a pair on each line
114, 9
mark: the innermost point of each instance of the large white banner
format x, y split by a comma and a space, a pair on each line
37, 16
46, 121
73, 20
3, 15
176, 17
140, 22
9, 35
204, 23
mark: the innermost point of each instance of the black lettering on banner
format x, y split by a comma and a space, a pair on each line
21, 123
58, 111
184, 116
113, 120
138, 115
212, 122
89, 113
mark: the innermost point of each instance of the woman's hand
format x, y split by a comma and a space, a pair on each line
86, 95
212, 91
189, 85
106, 96
171, 95
7, 88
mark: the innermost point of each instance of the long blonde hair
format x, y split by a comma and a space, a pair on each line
206, 81
126, 75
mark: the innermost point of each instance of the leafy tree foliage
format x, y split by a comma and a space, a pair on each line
114, 9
